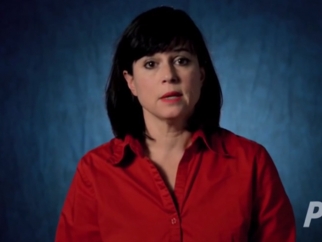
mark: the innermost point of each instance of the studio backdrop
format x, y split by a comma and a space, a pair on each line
55, 57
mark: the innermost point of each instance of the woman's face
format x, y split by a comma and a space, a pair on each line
167, 84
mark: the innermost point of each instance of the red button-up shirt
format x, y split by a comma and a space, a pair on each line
227, 189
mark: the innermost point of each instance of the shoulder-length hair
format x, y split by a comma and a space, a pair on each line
158, 30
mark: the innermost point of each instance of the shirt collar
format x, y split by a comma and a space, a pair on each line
219, 143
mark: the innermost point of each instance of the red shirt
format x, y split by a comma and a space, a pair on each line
227, 189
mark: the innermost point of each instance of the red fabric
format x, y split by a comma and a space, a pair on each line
227, 189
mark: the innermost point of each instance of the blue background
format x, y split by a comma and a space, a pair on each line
55, 59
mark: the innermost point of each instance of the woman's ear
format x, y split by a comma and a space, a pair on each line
130, 82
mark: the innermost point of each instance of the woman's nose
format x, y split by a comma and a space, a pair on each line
168, 73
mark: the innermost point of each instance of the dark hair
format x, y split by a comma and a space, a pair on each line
158, 30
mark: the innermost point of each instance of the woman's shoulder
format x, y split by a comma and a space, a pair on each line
251, 155
241, 148
109, 152
238, 146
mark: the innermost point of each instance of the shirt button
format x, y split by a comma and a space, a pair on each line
173, 221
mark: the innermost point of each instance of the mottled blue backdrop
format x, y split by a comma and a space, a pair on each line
55, 59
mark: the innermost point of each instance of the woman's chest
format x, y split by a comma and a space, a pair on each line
208, 204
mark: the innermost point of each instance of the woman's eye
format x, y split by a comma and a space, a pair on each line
149, 64
182, 61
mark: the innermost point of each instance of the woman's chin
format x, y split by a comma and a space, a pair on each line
173, 116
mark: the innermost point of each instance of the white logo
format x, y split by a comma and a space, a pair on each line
310, 213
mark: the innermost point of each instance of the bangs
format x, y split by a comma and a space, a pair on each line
162, 31
162, 41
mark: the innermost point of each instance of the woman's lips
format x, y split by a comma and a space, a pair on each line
171, 99
172, 94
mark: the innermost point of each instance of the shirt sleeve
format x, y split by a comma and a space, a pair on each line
273, 217
78, 219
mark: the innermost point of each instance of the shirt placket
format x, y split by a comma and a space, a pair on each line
167, 199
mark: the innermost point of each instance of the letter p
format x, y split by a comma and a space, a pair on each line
310, 213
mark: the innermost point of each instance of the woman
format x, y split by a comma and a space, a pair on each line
172, 173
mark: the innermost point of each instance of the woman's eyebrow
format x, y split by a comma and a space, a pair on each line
180, 49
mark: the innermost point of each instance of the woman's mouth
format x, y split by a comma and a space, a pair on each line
171, 97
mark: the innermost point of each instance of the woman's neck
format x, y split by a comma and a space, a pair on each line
166, 136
